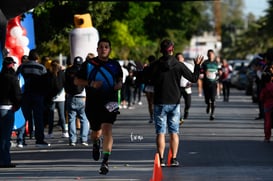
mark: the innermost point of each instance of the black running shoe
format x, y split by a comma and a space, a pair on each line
104, 169
212, 117
162, 163
174, 162
96, 150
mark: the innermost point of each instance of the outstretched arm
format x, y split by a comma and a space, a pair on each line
199, 60
193, 76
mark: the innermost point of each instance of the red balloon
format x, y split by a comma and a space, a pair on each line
12, 23
10, 42
10, 51
15, 21
18, 51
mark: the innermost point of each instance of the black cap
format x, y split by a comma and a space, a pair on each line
78, 60
8, 60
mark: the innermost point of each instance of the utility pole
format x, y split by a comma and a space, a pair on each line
217, 19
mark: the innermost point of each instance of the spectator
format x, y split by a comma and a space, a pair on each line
21, 132
165, 74
123, 103
129, 88
10, 99
75, 104
56, 98
266, 98
149, 88
46, 61
185, 88
138, 88
225, 75
260, 68
219, 83
35, 90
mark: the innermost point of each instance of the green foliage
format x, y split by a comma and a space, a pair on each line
55, 19
239, 41
269, 16
134, 28
127, 31
149, 23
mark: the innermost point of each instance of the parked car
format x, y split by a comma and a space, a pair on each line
238, 75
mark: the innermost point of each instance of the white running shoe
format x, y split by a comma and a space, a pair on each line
65, 135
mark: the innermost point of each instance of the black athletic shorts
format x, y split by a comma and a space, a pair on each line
98, 114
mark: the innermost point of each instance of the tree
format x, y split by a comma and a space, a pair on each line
135, 28
127, 30
232, 24
54, 20
269, 18
148, 23
178, 21
255, 38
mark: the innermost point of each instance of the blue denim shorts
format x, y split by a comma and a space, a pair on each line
166, 116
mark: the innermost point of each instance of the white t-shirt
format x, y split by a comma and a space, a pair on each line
183, 81
125, 74
60, 97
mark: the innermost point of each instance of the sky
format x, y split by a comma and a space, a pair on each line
256, 7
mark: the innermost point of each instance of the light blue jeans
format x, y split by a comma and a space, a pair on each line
166, 116
76, 108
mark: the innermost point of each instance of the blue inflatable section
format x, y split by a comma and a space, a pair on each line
28, 24
19, 120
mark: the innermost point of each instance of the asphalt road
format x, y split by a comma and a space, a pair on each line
230, 148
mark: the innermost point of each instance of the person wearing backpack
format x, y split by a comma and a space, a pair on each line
75, 105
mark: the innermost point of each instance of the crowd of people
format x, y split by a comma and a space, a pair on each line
49, 86
92, 90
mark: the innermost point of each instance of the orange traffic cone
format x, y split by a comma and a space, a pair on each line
157, 172
13, 134
170, 155
27, 129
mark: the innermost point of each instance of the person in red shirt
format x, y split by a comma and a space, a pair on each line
225, 74
266, 97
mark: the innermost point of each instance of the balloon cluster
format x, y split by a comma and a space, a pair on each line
16, 39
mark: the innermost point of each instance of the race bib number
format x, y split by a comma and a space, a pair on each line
211, 75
